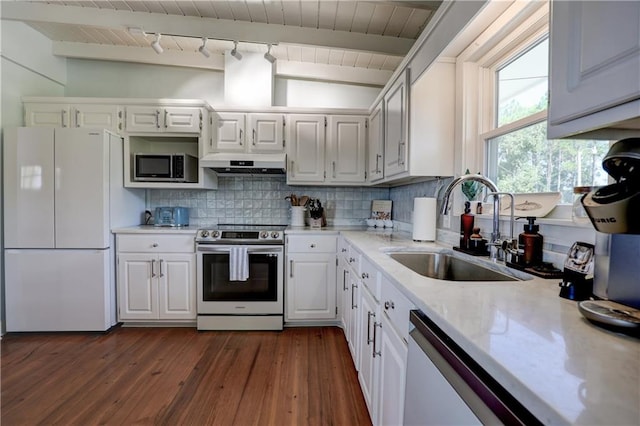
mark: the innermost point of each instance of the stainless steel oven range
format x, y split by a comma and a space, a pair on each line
240, 277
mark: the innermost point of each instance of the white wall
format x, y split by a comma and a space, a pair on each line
305, 93
128, 80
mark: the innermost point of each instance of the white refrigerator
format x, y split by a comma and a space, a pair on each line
63, 192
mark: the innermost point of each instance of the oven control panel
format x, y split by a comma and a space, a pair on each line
210, 236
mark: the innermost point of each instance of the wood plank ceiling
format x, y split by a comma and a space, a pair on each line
371, 37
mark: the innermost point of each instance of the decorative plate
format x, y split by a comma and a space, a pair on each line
537, 204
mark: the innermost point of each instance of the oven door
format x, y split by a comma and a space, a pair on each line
260, 294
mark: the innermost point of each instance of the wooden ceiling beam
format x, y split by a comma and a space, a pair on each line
204, 27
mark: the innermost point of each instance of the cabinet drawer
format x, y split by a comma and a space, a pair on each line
343, 248
371, 278
397, 307
154, 243
311, 243
353, 259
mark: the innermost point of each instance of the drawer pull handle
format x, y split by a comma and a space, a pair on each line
365, 275
389, 304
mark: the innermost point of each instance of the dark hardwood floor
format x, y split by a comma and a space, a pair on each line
172, 376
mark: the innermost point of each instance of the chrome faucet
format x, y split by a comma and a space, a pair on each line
463, 178
496, 244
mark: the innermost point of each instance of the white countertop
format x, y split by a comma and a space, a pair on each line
564, 369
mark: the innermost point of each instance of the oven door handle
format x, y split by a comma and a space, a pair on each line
266, 250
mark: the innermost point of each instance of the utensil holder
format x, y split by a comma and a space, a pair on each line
297, 215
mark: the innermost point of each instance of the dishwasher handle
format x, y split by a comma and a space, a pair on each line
482, 393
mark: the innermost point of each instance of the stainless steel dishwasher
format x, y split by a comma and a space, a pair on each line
445, 386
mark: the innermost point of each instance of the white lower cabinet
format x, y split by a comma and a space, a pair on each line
375, 315
369, 350
310, 278
393, 369
155, 285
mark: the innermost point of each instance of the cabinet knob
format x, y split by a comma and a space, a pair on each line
312, 246
365, 275
154, 245
389, 304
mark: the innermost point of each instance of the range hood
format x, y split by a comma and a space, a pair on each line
231, 164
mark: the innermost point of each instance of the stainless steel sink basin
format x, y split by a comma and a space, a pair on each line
442, 266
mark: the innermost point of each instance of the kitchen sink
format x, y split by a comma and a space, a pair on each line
444, 266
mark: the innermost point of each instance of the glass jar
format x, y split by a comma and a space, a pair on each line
578, 214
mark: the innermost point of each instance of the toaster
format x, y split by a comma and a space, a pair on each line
171, 216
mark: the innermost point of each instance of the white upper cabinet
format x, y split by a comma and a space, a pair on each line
375, 163
338, 159
346, 149
73, 115
396, 126
228, 131
594, 77
267, 133
241, 132
163, 119
306, 136
431, 118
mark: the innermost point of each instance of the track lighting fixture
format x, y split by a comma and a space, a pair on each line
268, 56
203, 49
156, 44
235, 52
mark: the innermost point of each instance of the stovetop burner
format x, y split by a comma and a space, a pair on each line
241, 234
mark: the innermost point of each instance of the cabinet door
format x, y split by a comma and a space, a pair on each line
183, 120
144, 119
177, 286
346, 149
353, 331
267, 133
98, 116
344, 294
137, 286
595, 57
53, 115
311, 286
396, 126
393, 367
369, 353
375, 166
228, 130
306, 148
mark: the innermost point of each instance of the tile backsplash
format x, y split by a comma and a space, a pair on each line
261, 200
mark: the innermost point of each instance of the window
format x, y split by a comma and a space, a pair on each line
519, 157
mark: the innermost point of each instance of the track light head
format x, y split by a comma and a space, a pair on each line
156, 44
268, 56
234, 51
203, 49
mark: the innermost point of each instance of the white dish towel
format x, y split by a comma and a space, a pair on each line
238, 264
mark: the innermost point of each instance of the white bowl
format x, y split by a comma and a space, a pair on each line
388, 223
371, 222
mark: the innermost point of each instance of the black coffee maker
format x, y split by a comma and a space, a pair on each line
577, 277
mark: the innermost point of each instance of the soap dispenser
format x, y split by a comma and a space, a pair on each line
466, 226
530, 243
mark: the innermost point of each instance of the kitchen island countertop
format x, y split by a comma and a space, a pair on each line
564, 369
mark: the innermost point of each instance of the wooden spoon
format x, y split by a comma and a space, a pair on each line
304, 200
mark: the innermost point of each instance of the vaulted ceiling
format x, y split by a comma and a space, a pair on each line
355, 41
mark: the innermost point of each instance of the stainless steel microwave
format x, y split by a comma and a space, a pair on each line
158, 167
